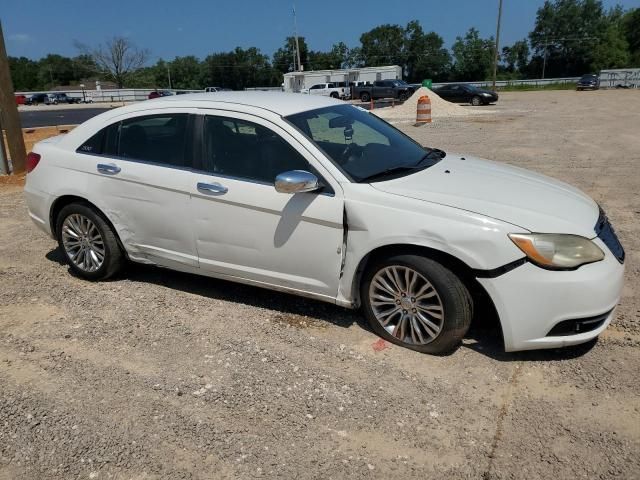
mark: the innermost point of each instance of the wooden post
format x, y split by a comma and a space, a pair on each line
9, 112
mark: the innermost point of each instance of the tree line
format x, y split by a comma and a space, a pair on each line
570, 38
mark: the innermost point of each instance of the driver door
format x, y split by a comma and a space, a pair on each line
247, 230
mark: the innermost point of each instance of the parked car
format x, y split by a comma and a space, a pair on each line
21, 99
307, 195
159, 93
57, 98
38, 98
463, 93
332, 90
213, 89
383, 89
590, 81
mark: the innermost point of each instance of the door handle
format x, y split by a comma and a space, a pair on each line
212, 187
108, 168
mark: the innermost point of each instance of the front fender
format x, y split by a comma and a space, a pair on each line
479, 242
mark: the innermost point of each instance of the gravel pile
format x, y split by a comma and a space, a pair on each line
440, 108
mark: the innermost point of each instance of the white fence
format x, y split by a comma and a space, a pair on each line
536, 82
122, 95
608, 79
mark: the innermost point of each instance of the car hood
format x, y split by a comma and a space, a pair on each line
528, 200
489, 92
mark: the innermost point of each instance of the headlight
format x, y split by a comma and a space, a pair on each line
557, 251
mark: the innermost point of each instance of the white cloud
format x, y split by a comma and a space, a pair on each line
20, 37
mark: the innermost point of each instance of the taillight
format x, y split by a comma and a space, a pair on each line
32, 161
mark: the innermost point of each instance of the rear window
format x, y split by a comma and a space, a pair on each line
102, 143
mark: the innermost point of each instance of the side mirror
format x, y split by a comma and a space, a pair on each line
296, 181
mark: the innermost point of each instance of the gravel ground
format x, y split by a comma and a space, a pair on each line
163, 375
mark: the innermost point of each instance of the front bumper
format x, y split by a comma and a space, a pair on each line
531, 301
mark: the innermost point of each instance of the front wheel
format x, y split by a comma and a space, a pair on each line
417, 303
365, 97
89, 243
476, 101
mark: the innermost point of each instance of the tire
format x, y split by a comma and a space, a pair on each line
334, 95
452, 300
76, 215
365, 97
476, 101
403, 96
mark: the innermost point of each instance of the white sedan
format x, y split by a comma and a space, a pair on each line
310, 196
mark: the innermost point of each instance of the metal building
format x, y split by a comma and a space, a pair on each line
296, 81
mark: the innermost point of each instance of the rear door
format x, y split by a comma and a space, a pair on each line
141, 174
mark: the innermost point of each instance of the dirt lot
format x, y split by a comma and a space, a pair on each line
164, 375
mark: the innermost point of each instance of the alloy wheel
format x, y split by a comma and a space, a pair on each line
406, 304
83, 242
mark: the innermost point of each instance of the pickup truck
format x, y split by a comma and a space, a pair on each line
332, 90
383, 89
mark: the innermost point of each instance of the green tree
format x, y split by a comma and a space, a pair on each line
383, 45
612, 49
421, 55
425, 55
24, 74
516, 57
473, 57
567, 33
239, 69
336, 58
283, 58
54, 70
631, 28
186, 73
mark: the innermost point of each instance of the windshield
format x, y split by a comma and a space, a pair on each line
471, 88
362, 145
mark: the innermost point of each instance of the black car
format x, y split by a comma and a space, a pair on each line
56, 98
590, 81
462, 93
37, 98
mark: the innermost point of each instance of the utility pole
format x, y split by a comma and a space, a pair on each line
495, 59
169, 75
544, 58
295, 34
10, 120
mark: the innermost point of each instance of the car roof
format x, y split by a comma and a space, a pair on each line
277, 102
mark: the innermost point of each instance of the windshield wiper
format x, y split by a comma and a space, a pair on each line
432, 154
389, 171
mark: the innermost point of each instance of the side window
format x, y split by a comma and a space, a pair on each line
155, 138
241, 149
102, 143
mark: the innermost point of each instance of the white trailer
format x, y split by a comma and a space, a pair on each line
297, 81
620, 77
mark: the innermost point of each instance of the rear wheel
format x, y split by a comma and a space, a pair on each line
334, 95
365, 97
89, 244
417, 303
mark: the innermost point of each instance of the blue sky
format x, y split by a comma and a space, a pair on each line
190, 27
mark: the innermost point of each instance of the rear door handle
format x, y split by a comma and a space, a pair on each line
212, 187
108, 168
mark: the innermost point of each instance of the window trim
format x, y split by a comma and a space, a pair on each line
327, 188
188, 147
